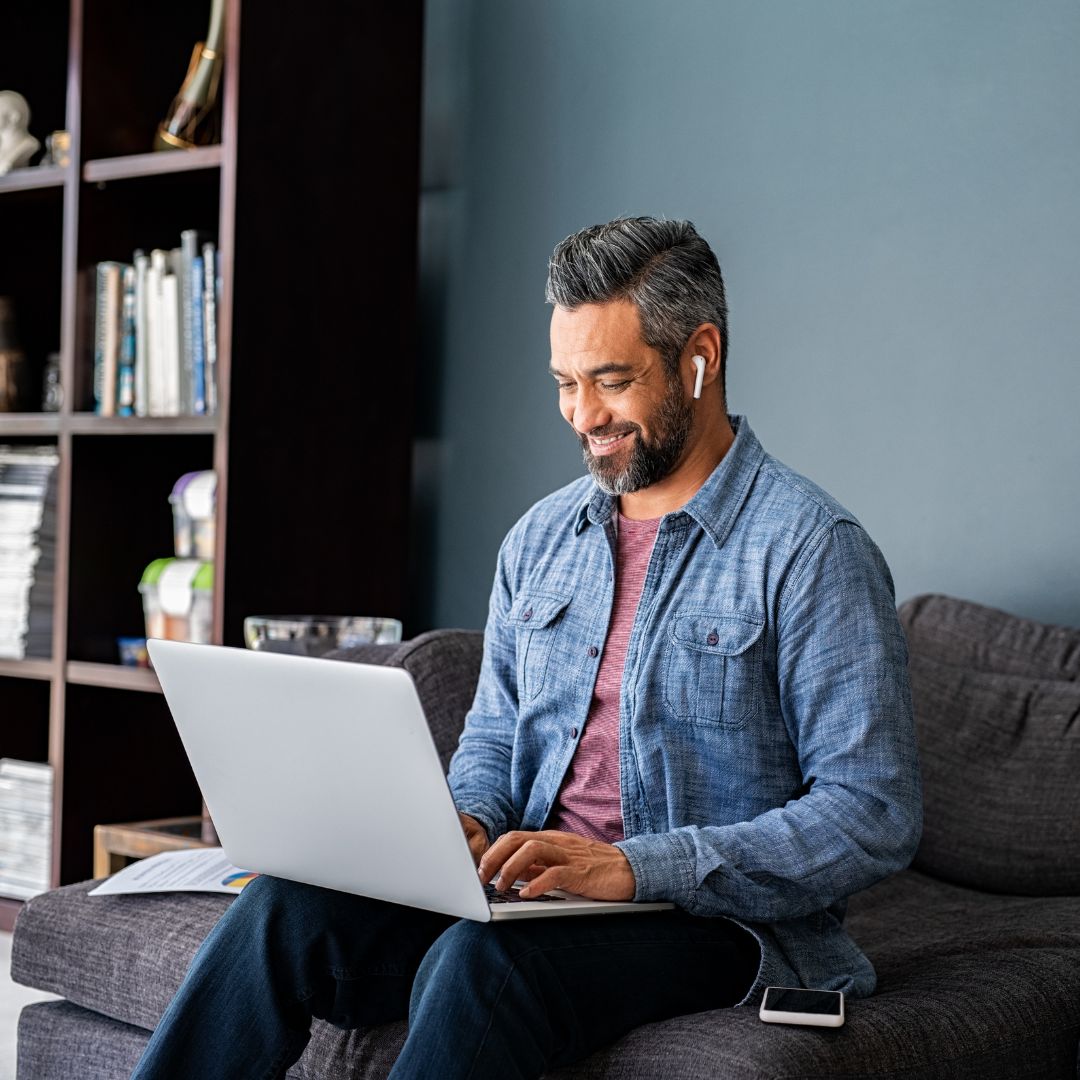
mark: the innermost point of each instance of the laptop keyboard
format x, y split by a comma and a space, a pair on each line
511, 896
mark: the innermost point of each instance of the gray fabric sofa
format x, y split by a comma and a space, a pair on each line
977, 945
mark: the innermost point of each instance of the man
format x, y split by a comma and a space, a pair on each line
693, 689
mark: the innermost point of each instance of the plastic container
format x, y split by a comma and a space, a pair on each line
178, 600
193, 498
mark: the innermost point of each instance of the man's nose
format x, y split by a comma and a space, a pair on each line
590, 412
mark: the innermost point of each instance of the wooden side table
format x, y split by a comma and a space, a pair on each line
117, 845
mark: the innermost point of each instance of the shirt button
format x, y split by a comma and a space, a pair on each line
593, 650
573, 733
713, 638
527, 615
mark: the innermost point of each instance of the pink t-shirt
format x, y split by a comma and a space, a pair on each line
589, 802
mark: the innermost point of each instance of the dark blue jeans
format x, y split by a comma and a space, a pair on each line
499, 1000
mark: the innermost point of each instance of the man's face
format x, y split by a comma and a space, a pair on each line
632, 417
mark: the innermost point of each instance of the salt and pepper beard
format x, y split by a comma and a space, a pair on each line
650, 461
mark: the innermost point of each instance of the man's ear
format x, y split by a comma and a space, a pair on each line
704, 342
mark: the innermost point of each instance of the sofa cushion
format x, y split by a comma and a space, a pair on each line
61, 1041
982, 638
970, 985
1000, 758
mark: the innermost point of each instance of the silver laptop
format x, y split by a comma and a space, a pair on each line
325, 772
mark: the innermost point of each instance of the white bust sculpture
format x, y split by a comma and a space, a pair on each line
17, 145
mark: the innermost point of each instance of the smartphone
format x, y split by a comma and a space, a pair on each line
791, 1005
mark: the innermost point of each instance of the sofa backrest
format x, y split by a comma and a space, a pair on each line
997, 709
445, 665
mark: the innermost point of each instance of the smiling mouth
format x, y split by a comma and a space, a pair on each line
608, 440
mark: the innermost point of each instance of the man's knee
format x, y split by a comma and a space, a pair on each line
469, 954
277, 906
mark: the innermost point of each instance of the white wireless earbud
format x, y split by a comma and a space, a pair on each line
699, 363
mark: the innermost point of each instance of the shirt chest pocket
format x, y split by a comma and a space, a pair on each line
537, 620
714, 661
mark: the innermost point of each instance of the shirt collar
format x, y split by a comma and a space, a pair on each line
715, 505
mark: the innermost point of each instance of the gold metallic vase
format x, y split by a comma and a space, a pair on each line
194, 118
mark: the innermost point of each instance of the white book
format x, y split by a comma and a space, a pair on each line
142, 344
155, 333
32, 772
170, 295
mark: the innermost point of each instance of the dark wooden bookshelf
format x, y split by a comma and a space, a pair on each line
312, 196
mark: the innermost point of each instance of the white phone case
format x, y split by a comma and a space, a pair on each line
809, 1019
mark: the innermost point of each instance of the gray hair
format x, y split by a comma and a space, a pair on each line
664, 268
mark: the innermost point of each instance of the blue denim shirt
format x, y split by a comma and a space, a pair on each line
767, 754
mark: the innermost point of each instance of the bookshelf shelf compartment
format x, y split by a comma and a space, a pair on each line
113, 676
158, 163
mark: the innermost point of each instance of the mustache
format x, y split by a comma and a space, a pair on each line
607, 431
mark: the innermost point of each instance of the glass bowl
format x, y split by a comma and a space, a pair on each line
316, 635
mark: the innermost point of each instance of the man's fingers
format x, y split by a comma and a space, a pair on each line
553, 877
499, 852
532, 852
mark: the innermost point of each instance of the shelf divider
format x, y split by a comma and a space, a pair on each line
156, 163
87, 423
40, 176
113, 676
29, 424
27, 669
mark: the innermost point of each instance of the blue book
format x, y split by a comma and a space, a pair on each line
198, 339
125, 395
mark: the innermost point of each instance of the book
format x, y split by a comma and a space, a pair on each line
27, 550
198, 338
209, 254
25, 827
182, 269
156, 354
107, 301
170, 333
125, 393
111, 339
142, 355
155, 338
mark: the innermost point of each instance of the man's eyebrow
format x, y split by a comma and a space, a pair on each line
610, 368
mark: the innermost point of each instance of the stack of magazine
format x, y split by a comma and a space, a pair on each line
155, 332
25, 827
27, 549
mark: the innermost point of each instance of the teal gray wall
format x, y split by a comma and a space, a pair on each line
893, 190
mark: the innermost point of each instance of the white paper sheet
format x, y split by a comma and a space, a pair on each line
191, 870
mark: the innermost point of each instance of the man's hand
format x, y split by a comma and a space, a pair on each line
475, 834
558, 860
